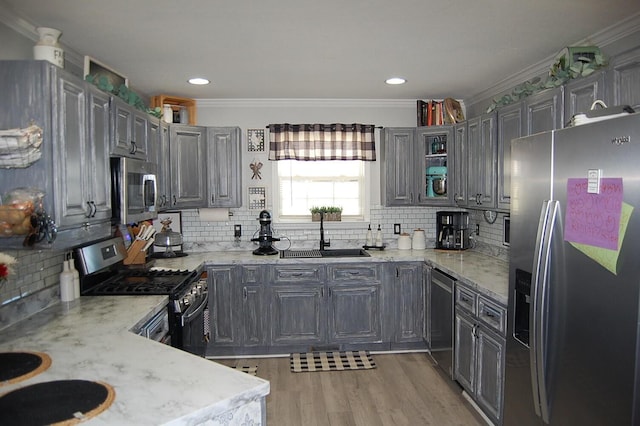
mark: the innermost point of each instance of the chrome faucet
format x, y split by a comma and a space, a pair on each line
323, 243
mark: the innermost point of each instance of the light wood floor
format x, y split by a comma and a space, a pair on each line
404, 389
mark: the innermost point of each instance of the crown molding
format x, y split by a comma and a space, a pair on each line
307, 103
602, 39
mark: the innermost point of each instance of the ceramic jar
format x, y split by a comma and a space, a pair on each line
47, 47
404, 242
418, 241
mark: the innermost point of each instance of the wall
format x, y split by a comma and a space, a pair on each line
201, 235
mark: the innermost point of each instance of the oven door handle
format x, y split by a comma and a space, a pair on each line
193, 312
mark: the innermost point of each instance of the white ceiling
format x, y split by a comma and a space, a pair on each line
321, 49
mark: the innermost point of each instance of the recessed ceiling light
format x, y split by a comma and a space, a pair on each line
395, 80
198, 81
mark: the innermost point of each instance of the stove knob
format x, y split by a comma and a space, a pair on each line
186, 301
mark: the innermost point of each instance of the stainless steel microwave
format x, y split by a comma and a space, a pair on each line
133, 190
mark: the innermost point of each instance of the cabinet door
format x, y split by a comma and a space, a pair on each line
580, 93
163, 160
253, 315
398, 167
460, 164
355, 312
465, 352
224, 171
72, 151
623, 80
140, 135
409, 302
298, 314
97, 166
223, 285
188, 169
434, 154
481, 135
490, 368
544, 111
122, 129
510, 126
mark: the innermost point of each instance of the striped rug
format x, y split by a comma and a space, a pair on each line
331, 361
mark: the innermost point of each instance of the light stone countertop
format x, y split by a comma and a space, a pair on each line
90, 339
488, 275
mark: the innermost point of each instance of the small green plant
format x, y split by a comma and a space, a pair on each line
325, 209
124, 93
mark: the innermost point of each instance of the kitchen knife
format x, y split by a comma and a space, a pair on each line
149, 242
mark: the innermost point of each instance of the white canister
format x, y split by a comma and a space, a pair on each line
167, 113
419, 241
404, 242
47, 47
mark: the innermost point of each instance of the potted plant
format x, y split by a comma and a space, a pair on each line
331, 213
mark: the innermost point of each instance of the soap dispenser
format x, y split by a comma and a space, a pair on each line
369, 242
379, 237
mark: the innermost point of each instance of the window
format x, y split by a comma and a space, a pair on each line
304, 184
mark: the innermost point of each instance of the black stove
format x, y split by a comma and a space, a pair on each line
138, 282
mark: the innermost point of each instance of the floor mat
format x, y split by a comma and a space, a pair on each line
331, 361
253, 369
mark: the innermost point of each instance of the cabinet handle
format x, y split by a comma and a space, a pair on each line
244, 293
213, 199
88, 215
134, 147
175, 200
322, 292
397, 273
330, 294
164, 200
465, 299
94, 209
353, 272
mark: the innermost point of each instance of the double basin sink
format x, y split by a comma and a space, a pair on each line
314, 253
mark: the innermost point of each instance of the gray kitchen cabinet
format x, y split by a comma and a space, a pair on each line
254, 326
397, 153
131, 130
298, 306
544, 111
580, 93
163, 160
482, 156
407, 281
623, 80
73, 171
222, 282
460, 164
412, 158
479, 353
511, 125
355, 303
224, 169
187, 150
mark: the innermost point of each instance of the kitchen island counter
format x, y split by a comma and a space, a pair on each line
91, 339
487, 274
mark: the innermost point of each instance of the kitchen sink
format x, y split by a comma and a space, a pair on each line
313, 253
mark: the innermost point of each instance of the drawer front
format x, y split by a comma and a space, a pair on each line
466, 299
366, 273
302, 274
253, 275
492, 315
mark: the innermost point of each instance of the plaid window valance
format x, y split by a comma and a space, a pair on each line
314, 142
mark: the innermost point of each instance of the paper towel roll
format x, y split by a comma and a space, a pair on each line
214, 215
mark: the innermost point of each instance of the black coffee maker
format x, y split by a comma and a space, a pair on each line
452, 230
265, 237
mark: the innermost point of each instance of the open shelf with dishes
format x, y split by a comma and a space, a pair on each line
434, 144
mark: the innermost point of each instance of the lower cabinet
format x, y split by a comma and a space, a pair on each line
480, 350
407, 280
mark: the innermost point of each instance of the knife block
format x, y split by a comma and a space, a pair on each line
135, 254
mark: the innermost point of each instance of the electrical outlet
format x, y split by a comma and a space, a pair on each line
477, 229
237, 231
396, 228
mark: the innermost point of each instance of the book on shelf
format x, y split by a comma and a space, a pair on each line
438, 112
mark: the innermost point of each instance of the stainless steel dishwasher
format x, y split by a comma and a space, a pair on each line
440, 304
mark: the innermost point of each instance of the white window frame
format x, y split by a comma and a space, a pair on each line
365, 200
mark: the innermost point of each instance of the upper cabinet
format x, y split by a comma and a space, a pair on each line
73, 171
131, 131
415, 168
623, 78
224, 172
579, 94
460, 164
511, 125
544, 111
482, 170
188, 153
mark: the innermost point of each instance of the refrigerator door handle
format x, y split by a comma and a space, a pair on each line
538, 315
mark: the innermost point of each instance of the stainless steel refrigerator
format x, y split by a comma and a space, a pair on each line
572, 342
